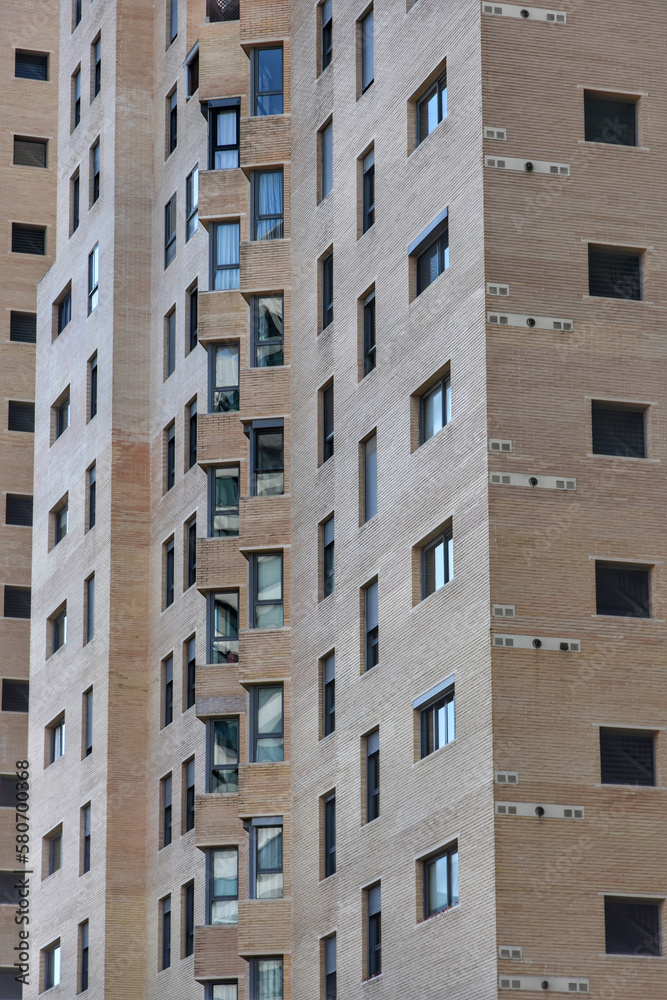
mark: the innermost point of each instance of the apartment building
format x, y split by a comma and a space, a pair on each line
355, 625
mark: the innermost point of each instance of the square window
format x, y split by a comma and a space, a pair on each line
17, 602
632, 927
268, 204
223, 886
627, 757
223, 124
223, 378
614, 272
18, 510
223, 501
435, 408
268, 81
31, 65
29, 152
22, 327
170, 231
15, 695
223, 622
267, 459
223, 755
618, 430
437, 563
437, 725
225, 256
20, 416
267, 328
267, 739
610, 119
431, 108
191, 203
441, 882
622, 590
266, 571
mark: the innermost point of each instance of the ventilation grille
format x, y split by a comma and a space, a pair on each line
503, 809
504, 610
493, 288
23, 327
539, 810
533, 482
525, 13
545, 643
28, 239
507, 778
554, 984
510, 951
495, 133
531, 322
500, 445
536, 166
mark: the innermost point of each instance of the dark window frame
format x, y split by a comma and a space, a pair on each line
430, 732
22, 327
256, 601
28, 239
86, 823
367, 46
256, 735
271, 342
94, 172
169, 563
613, 912
328, 556
211, 897
15, 692
254, 974
166, 792
448, 854
192, 203
267, 465
165, 951
373, 930
229, 640
32, 152
371, 626
93, 278
229, 106
638, 605
328, 694
329, 835
212, 778
368, 191
219, 270
330, 970
168, 690
223, 398
437, 90
189, 786
630, 441
446, 539
328, 421
190, 672
35, 65
192, 434
326, 34
445, 385
369, 328
260, 95
256, 867
615, 272
372, 746
170, 231
618, 761
170, 438
76, 97
84, 955
225, 511
189, 919
92, 495
55, 846
97, 66
193, 316
172, 121
327, 303
191, 577
277, 229
598, 108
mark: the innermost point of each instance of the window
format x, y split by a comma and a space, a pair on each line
327, 421
189, 921
191, 203
28, 239
329, 948
632, 926
618, 430
224, 502
436, 719
327, 291
374, 931
368, 191
266, 979
373, 775
367, 51
224, 377
193, 317
56, 739
437, 563
172, 121
76, 13
92, 495
267, 739
268, 204
223, 614
171, 455
85, 839
441, 882
169, 573
170, 342
62, 416
15, 695
58, 631
268, 461
17, 602
60, 521
93, 277
328, 694
191, 578
95, 172
223, 885
267, 327
432, 108
326, 38
20, 416
31, 65
192, 71
75, 187
165, 920
266, 858
83, 956
54, 851
97, 66
189, 785
326, 165
92, 374
614, 272
90, 608
225, 250
328, 557
8, 791
610, 118
622, 590
268, 81
165, 797
88, 722
370, 494
223, 755
431, 253
173, 20
168, 691
627, 757
52, 966
223, 136
18, 510
170, 231
190, 672
329, 835
266, 572
76, 98
435, 409
22, 327
371, 629
29, 152
222, 991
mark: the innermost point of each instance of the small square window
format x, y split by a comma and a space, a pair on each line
17, 602
610, 119
618, 430
28, 239
627, 757
441, 882
622, 590
632, 926
15, 695
268, 336
18, 509
31, 65
614, 272
268, 81
22, 327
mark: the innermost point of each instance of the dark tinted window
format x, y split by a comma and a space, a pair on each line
610, 119
8, 790
618, 431
626, 758
21, 416
621, 590
18, 510
23, 327
631, 927
15, 696
31, 66
8, 893
29, 152
17, 602
28, 239
9, 988
432, 262
614, 273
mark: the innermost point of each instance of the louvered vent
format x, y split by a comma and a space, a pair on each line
500, 445
494, 288
23, 327
28, 239
21, 416
504, 610
509, 951
505, 810
495, 133
507, 777
17, 602
18, 510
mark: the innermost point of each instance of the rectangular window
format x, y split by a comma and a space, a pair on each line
614, 272
17, 602
329, 948
22, 327
632, 926
64, 311
28, 239
222, 991
85, 838
170, 342
267, 741
373, 775
370, 497
168, 691
165, 797
223, 123
326, 164
97, 66
193, 317
223, 501
437, 563
368, 191
622, 590
329, 835
192, 72
224, 377
92, 495
95, 172
225, 251
610, 118
75, 187
170, 231
432, 261
31, 65
268, 81
58, 631
191, 203
328, 543
627, 757
93, 277
328, 694
52, 966
18, 510
266, 979
56, 740
90, 608
189, 785
327, 291
326, 38
173, 20
83, 957
76, 98
371, 626
268, 204
267, 326
62, 411
618, 430
192, 434
223, 614
172, 121
432, 108
20, 416
169, 573
268, 460
190, 672
189, 920
267, 590
441, 882
327, 421
8, 791
223, 885
54, 847
29, 152
60, 524
77, 13
165, 921
223, 755
170, 436
367, 51
435, 409
437, 722
191, 578
374, 931
266, 859
15, 695
92, 375
88, 722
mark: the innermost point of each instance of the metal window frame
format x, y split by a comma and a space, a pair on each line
329, 835
191, 206
257, 217
271, 822
255, 734
329, 694
328, 547
192, 552
427, 729
190, 672
440, 87
446, 383
370, 642
59, 624
367, 192
599, 407
212, 368
193, 315
215, 267
210, 742
372, 794
93, 278
256, 92
272, 341
166, 797
168, 690
57, 739
211, 635
64, 311
364, 50
189, 782
213, 109
262, 426
211, 898
59, 533
328, 433
447, 853
172, 121
607, 733
253, 971
369, 346
189, 920
169, 575
445, 537
326, 34
254, 583
327, 305
62, 416
170, 432
170, 231
214, 511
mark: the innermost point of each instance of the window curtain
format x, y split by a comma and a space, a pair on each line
227, 239
226, 367
270, 979
270, 203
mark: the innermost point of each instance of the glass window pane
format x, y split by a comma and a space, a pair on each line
269, 578
270, 356
428, 267
454, 877
224, 991
438, 886
270, 979
269, 749
367, 55
226, 133
269, 847
270, 710
225, 873
269, 317
226, 488
269, 616
269, 70
227, 365
433, 412
225, 742
226, 615
224, 911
